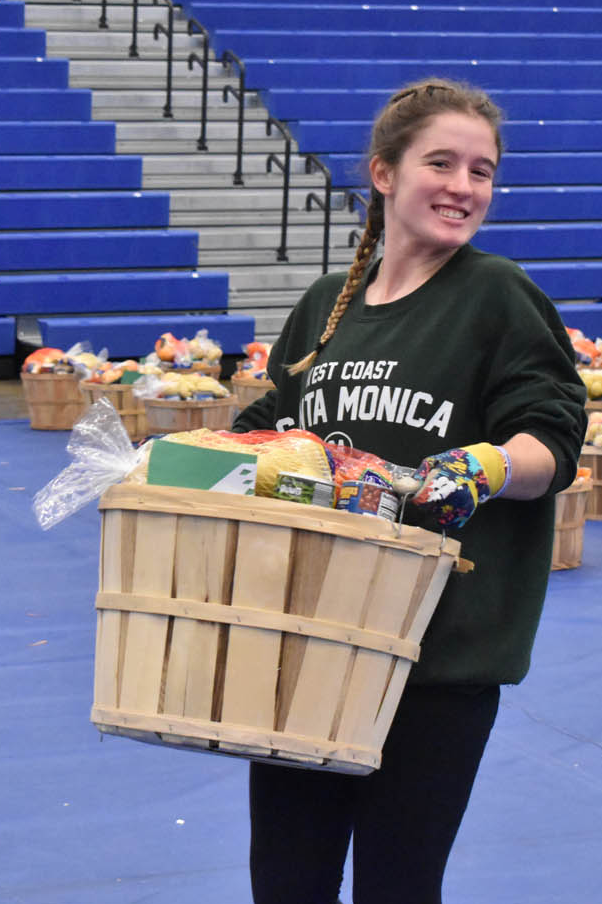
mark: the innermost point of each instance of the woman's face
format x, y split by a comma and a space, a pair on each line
438, 194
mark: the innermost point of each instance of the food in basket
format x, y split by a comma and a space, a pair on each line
256, 362
185, 352
180, 386
593, 434
593, 382
79, 358
296, 452
587, 351
293, 452
204, 349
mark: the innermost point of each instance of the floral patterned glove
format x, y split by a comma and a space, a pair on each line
456, 481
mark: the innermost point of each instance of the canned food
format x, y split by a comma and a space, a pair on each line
300, 488
365, 498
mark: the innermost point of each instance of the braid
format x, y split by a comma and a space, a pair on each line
363, 255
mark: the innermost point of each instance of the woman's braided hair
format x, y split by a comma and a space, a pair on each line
394, 129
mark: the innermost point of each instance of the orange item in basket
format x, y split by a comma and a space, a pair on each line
167, 347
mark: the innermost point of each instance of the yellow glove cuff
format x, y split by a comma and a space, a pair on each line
493, 463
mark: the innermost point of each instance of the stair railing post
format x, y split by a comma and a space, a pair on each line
204, 64
159, 27
286, 171
102, 22
311, 162
133, 51
229, 57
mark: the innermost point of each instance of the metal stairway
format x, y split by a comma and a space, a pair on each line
239, 225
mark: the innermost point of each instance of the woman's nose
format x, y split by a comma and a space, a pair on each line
459, 181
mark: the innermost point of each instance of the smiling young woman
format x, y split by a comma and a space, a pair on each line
452, 361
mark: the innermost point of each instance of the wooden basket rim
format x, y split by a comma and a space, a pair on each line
246, 380
106, 387
584, 486
27, 376
277, 512
191, 403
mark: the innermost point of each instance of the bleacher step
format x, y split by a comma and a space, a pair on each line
142, 74
78, 16
235, 258
115, 46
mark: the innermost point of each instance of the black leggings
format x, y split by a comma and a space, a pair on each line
404, 817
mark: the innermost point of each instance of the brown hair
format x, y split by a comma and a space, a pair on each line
394, 129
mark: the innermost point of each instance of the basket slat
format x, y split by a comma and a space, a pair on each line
203, 567
372, 671
342, 599
147, 634
262, 561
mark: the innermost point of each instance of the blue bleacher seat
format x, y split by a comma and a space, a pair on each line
25, 72
22, 42
104, 292
79, 172
31, 104
584, 317
435, 45
12, 15
296, 16
363, 103
95, 249
57, 138
353, 72
83, 210
8, 335
132, 337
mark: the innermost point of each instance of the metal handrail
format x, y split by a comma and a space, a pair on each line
354, 195
168, 32
204, 64
102, 22
285, 168
312, 161
133, 51
229, 57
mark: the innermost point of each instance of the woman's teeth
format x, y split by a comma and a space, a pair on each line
451, 214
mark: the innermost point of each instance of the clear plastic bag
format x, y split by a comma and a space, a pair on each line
102, 456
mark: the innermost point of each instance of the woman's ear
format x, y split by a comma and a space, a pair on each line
382, 175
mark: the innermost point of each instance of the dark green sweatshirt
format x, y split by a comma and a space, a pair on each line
478, 353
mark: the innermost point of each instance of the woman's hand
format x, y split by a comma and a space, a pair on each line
455, 482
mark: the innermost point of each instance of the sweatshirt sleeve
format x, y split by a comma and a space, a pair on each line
259, 415
532, 385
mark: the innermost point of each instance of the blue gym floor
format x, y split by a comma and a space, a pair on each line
118, 822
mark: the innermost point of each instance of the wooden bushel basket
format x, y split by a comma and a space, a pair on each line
174, 415
568, 525
251, 626
248, 389
591, 457
53, 401
130, 408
